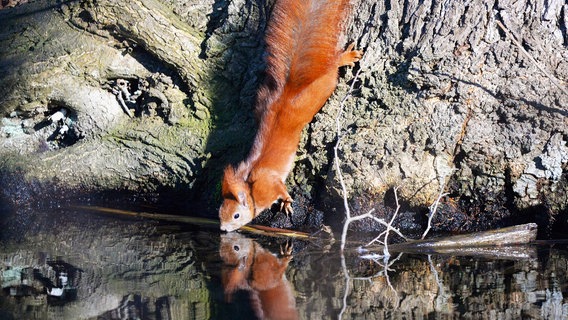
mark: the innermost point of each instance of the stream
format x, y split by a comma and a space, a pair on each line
70, 263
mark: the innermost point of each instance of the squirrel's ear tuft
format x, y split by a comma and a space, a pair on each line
241, 196
242, 263
228, 183
232, 184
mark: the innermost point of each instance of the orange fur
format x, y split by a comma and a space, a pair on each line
301, 73
248, 266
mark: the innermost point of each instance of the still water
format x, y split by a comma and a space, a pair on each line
70, 263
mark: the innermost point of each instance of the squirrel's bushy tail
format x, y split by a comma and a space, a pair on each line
302, 41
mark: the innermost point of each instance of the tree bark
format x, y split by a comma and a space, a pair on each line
445, 97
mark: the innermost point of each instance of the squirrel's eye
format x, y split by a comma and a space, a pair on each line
236, 248
236, 216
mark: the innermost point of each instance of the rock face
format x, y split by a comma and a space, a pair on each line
448, 97
96, 79
470, 96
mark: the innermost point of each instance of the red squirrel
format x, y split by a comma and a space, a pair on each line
248, 266
303, 57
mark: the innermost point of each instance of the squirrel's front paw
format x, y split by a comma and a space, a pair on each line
286, 250
286, 206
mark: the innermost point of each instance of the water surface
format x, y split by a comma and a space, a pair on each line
68, 263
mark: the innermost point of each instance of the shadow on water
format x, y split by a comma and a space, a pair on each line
77, 264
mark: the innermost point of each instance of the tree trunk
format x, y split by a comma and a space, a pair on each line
470, 95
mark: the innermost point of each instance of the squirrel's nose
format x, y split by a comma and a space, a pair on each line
227, 227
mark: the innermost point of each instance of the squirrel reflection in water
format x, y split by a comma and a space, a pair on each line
248, 266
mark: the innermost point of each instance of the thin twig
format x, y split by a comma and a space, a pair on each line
386, 263
389, 227
256, 229
434, 207
441, 297
533, 60
347, 288
336, 158
336, 147
349, 219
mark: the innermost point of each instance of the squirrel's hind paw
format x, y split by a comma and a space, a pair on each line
350, 56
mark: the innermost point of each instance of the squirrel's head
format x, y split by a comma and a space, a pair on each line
237, 253
237, 208
235, 213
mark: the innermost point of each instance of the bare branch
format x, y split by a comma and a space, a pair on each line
336, 147
533, 60
338, 164
434, 207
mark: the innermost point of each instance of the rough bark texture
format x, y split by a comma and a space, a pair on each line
445, 97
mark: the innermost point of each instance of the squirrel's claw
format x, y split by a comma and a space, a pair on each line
286, 250
286, 206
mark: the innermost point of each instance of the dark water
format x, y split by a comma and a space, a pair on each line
78, 264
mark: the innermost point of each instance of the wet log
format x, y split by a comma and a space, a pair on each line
502, 243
